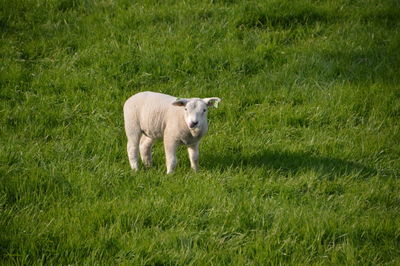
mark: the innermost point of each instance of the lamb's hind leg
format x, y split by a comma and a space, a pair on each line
133, 133
146, 144
133, 150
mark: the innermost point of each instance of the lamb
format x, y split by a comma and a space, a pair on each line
149, 116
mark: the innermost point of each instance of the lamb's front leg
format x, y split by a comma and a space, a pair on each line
170, 154
194, 156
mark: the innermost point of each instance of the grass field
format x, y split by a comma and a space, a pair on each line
301, 164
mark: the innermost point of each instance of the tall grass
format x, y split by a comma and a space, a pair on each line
301, 164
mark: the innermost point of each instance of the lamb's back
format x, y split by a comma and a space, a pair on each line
152, 110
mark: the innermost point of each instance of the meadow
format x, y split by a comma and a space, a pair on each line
301, 164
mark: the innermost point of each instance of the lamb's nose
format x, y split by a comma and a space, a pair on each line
193, 124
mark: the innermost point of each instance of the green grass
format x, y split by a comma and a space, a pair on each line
301, 164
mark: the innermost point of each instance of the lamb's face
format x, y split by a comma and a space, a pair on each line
195, 111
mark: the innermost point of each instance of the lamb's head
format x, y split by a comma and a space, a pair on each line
195, 110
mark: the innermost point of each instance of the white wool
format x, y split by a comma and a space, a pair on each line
149, 116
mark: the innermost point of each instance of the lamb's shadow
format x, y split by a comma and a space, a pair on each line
286, 162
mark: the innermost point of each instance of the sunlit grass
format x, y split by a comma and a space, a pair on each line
300, 165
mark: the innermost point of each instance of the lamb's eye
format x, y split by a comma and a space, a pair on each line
204, 110
185, 109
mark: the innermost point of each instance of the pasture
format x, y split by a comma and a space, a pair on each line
301, 164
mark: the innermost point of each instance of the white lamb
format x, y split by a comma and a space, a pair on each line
149, 116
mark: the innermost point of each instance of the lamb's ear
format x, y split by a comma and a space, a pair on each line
212, 101
180, 102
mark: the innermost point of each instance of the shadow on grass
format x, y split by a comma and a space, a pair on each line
287, 162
